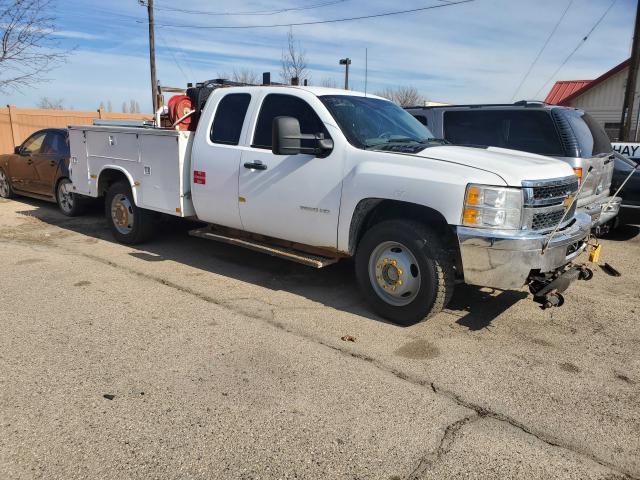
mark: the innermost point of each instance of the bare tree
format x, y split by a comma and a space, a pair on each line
244, 75
29, 49
294, 61
124, 107
51, 103
408, 97
405, 96
109, 106
134, 106
386, 92
329, 82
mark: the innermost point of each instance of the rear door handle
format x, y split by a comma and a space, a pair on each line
53, 163
255, 165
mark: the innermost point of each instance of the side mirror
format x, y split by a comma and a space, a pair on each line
18, 150
286, 136
287, 139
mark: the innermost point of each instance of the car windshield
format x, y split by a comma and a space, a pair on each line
370, 122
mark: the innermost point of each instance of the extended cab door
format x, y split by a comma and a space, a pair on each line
215, 159
291, 197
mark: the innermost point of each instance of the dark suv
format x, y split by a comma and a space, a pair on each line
568, 134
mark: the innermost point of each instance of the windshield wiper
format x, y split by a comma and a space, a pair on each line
441, 141
400, 140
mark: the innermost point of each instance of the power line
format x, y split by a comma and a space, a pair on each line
254, 12
175, 60
317, 22
555, 28
582, 42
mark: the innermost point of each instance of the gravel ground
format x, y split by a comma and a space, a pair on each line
187, 359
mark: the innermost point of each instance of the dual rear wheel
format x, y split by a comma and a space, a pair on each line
129, 223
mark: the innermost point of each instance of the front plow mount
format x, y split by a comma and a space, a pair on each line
547, 288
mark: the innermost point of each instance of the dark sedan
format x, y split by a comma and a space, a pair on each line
39, 168
630, 208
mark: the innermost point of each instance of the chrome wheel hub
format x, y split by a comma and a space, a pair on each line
394, 273
4, 184
122, 214
65, 196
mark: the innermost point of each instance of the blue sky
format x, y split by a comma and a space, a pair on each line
473, 52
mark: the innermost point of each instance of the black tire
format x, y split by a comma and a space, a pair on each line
129, 223
70, 204
5, 186
434, 269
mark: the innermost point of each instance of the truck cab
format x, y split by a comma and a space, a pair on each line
328, 174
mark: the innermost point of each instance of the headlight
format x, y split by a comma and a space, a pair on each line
492, 207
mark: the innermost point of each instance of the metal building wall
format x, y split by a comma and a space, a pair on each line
604, 101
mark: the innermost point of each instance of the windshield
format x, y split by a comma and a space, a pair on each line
370, 122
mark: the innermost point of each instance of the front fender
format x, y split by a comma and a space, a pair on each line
422, 181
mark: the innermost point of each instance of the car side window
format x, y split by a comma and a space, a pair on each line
592, 138
34, 143
56, 144
230, 115
422, 119
279, 105
526, 130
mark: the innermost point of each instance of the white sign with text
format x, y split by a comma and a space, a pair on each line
630, 150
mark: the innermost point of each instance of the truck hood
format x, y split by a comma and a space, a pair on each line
512, 166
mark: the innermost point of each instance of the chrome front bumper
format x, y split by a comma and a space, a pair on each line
504, 260
599, 215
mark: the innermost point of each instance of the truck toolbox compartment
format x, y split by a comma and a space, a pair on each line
157, 161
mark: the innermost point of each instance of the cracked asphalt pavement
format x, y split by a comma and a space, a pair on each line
187, 359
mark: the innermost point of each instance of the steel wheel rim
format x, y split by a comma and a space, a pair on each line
122, 214
65, 197
394, 273
4, 184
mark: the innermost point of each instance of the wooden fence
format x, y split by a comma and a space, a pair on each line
16, 124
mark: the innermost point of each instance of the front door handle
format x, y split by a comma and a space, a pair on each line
256, 165
29, 162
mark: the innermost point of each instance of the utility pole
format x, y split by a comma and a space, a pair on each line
629, 96
346, 62
152, 56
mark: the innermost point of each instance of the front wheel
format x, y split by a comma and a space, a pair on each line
404, 271
69, 203
5, 187
129, 223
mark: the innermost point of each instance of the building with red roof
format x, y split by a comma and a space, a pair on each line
602, 98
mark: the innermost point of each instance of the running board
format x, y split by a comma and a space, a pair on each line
291, 254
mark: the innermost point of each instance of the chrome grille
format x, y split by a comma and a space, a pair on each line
539, 193
545, 202
542, 221
555, 191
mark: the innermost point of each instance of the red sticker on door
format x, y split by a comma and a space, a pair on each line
199, 178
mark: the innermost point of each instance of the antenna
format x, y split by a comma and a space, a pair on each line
366, 69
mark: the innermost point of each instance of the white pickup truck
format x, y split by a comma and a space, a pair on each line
315, 175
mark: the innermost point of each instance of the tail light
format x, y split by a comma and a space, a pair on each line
578, 172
